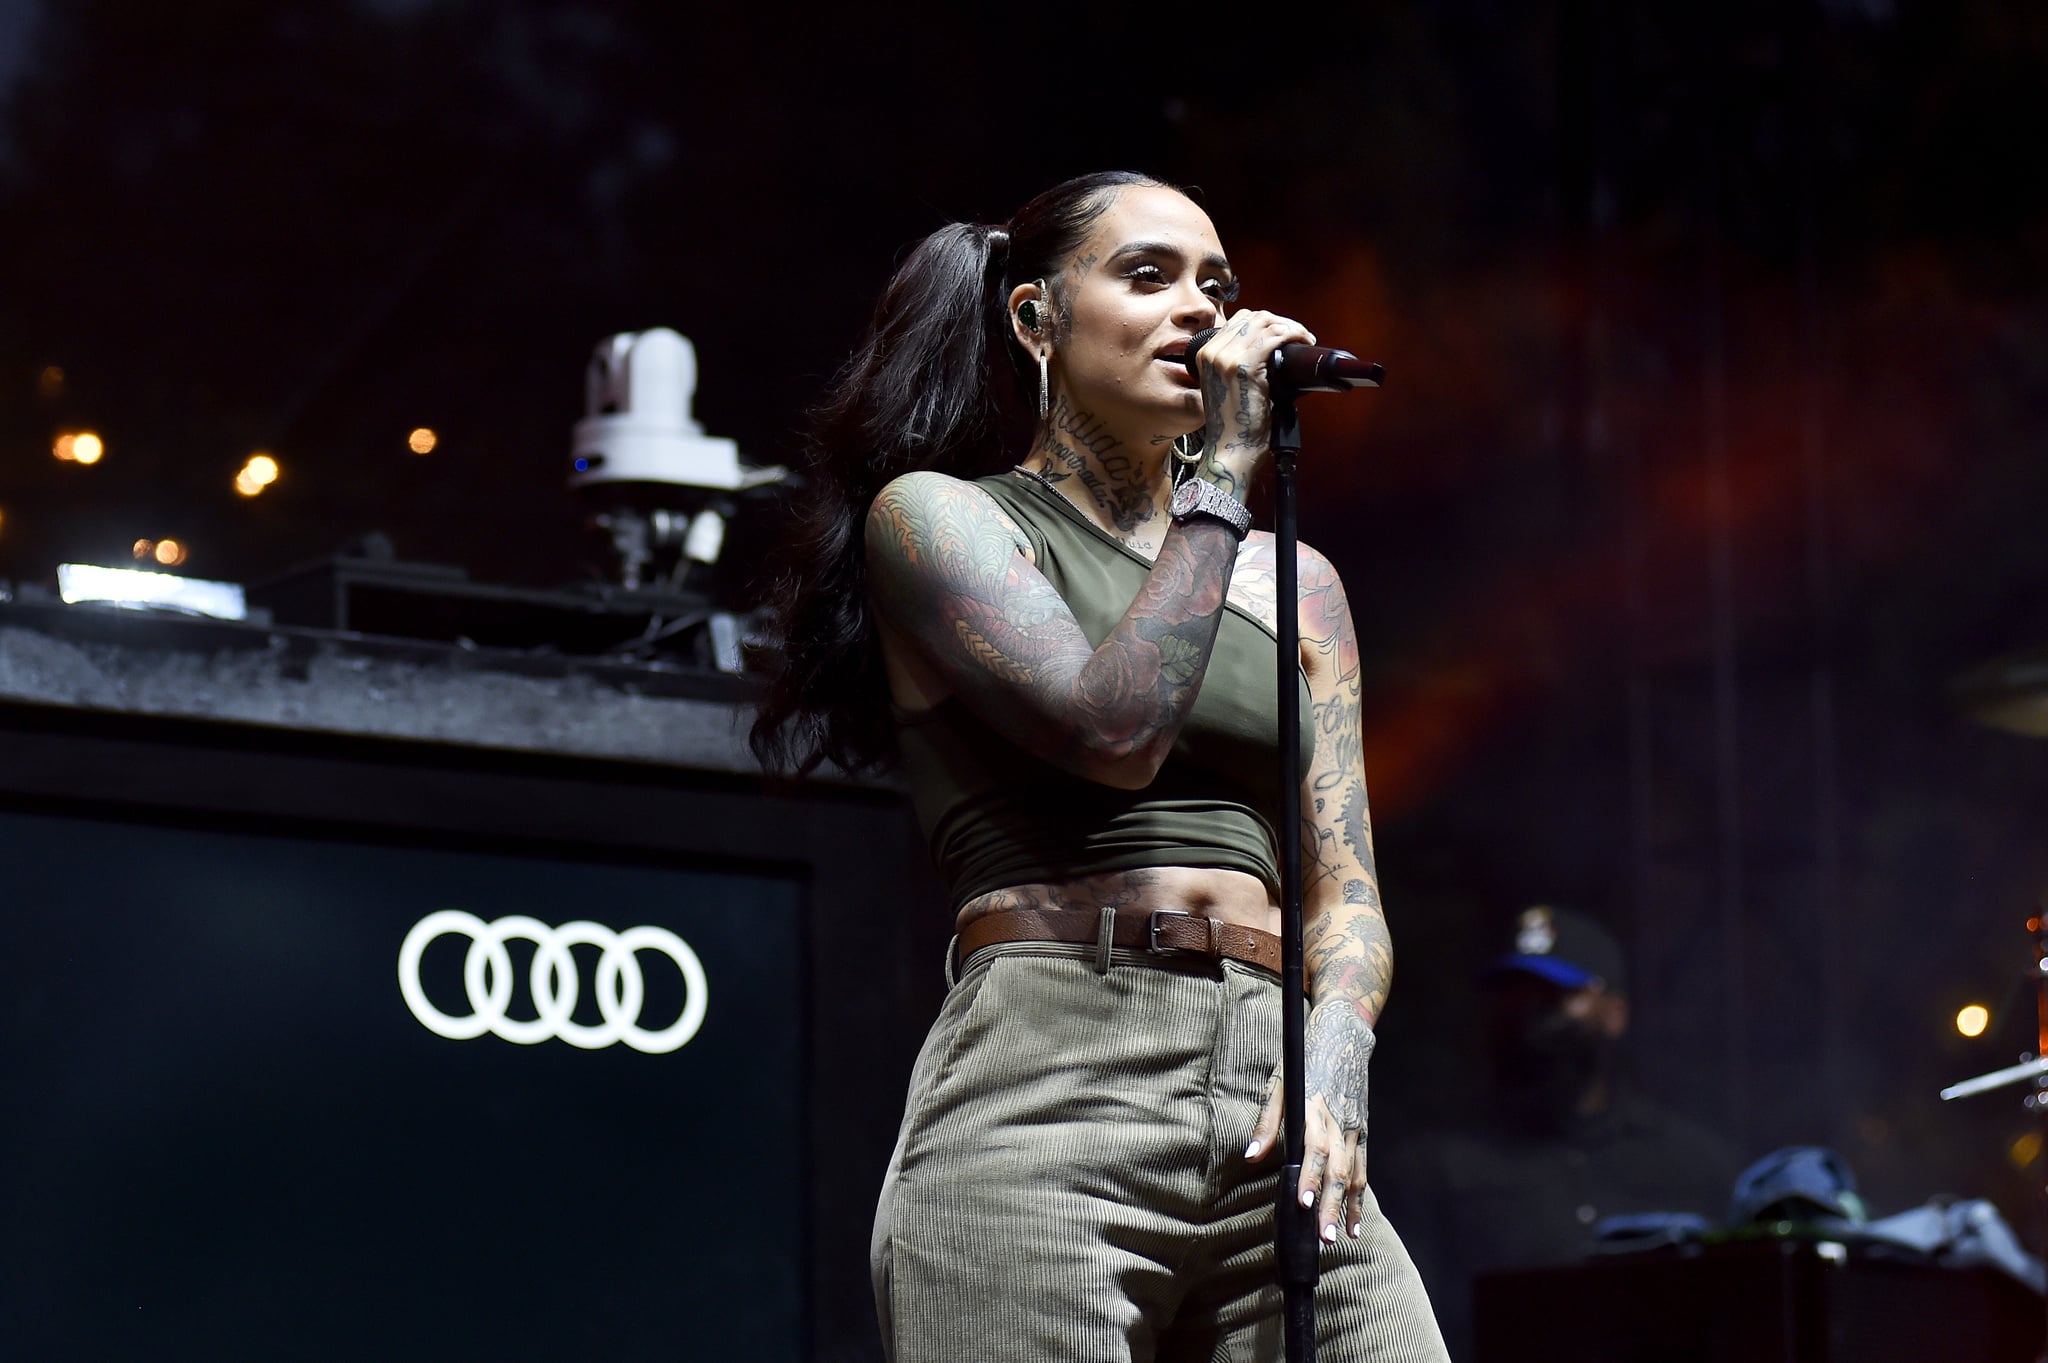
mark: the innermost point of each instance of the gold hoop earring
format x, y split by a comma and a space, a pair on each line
1186, 450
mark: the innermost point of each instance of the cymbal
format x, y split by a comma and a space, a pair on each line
2006, 693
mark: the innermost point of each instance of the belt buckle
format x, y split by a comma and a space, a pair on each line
1152, 929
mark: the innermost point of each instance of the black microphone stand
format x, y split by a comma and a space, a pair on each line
1297, 1249
1296, 1245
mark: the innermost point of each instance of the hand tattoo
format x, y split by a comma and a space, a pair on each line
1338, 1046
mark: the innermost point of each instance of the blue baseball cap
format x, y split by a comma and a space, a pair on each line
1568, 949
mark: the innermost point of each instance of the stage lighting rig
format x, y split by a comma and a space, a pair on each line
660, 487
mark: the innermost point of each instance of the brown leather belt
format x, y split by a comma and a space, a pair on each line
1157, 931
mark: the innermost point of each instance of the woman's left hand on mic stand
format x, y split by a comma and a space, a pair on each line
1336, 1054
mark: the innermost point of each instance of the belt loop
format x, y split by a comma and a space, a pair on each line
1105, 938
952, 946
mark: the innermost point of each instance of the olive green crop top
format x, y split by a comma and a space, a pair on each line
997, 816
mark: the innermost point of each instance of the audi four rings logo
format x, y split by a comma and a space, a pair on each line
555, 980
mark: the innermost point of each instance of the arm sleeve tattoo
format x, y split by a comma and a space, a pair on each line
945, 572
1349, 951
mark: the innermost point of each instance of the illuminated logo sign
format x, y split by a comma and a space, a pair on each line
555, 981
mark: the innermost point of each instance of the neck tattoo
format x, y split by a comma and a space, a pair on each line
1140, 544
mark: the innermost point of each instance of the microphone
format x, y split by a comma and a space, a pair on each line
1304, 368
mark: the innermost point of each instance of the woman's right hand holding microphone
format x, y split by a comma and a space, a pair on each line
1237, 401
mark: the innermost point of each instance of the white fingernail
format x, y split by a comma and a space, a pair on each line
1329, 1235
1252, 1151
1308, 1197
1357, 1229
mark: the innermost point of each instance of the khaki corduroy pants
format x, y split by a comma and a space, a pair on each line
1070, 1183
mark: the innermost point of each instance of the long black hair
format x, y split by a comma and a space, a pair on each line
938, 382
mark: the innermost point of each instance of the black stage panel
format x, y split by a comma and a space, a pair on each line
227, 1134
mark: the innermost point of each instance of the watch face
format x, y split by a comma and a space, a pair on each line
1185, 496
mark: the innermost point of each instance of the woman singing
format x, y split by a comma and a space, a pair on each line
1073, 661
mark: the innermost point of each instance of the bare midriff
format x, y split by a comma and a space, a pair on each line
1228, 896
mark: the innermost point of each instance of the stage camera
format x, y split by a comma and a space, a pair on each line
660, 487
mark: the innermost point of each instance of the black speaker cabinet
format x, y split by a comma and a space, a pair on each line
1776, 1301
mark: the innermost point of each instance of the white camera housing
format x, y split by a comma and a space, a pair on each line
638, 428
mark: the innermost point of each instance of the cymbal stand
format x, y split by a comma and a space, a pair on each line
2031, 1071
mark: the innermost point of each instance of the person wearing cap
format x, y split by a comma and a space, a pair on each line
1561, 1139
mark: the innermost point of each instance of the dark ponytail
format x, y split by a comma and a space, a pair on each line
938, 382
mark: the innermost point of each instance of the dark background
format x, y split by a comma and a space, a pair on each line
1715, 440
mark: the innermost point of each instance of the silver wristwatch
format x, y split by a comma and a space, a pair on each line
1200, 497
